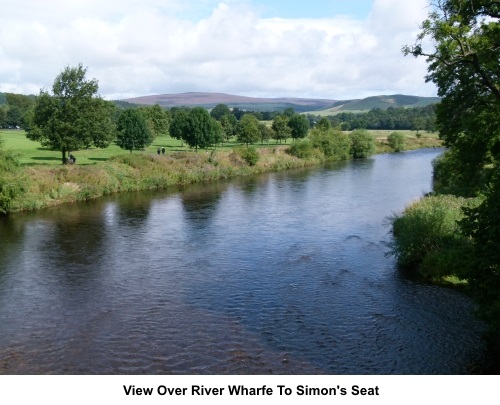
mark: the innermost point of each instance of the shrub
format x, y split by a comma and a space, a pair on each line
302, 149
10, 185
397, 141
362, 144
334, 144
250, 155
427, 236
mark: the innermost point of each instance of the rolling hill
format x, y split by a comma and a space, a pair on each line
384, 102
210, 100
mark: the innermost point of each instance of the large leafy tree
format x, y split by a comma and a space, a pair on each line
199, 130
133, 130
299, 126
178, 125
73, 116
465, 66
219, 111
362, 144
280, 127
157, 119
464, 63
248, 130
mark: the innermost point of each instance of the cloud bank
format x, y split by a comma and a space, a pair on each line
147, 47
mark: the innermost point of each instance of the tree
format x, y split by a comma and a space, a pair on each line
3, 116
157, 119
266, 133
178, 126
281, 128
465, 67
199, 129
21, 101
248, 129
73, 116
228, 123
362, 144
396, 141
217, 131
334, 144
289, 112
324, 124
133, 131
14, 116
299, 125
220, 111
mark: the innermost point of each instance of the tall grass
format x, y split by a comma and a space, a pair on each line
428, 237
45, 186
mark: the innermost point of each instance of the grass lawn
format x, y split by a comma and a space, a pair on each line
384, 133
32, 153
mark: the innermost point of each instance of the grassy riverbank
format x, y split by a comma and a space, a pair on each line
41, 181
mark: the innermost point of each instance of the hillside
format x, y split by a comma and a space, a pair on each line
383, 102
210, 100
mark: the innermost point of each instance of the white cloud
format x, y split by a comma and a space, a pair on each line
140, 47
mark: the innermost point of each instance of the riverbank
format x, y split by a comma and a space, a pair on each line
36, 187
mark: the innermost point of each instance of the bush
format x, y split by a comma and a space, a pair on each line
302, 149
10, 186
250, 155
428, 236
362, 144
397, 141
334, 144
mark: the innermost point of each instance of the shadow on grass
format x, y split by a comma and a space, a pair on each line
99, 159
52, 158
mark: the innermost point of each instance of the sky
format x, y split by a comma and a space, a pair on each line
333, 49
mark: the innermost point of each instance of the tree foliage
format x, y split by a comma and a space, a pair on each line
178, 125
199, 130
396, 141
73, 116
133, 131
220, 111
393, 118
334, 144
362, 144
465, 67
247, 130
299, 126
157, 119
281, 129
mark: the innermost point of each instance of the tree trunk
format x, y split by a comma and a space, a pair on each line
64, 161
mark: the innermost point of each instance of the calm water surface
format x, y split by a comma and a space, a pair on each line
278, 274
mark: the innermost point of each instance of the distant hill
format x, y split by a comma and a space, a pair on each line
383, 102
210, 100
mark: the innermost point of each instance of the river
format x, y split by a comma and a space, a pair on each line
283, 273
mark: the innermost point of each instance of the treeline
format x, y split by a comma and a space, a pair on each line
13, 108
393, 118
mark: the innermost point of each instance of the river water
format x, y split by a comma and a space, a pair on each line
283, 273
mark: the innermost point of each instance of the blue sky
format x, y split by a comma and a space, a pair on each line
335, 49
292, 9
314, 8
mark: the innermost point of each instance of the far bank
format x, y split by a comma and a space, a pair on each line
31, 187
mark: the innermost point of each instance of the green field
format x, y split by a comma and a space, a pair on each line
31, 153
